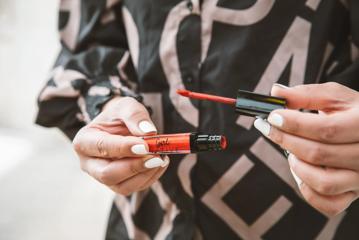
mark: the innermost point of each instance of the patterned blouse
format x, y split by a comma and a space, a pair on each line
153, 47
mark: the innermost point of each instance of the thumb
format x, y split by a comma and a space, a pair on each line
137, 119
326, 97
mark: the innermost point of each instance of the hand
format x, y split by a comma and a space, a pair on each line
110, 152
324, 147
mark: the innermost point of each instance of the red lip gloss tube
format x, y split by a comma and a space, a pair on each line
184, 143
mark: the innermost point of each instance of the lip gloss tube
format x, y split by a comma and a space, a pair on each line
184, 143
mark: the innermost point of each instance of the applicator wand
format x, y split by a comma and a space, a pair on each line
247, 103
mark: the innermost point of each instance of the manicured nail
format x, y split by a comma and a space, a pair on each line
293, 159
166, 161
154, 163
262, 126
280, 85
139, 149
147, 127
296, 178
276, 119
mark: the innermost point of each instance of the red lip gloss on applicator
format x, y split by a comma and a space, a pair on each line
184, 143
247, 103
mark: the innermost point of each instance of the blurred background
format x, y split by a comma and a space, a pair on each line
43, 193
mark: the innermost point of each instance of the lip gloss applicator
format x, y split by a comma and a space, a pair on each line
247, 103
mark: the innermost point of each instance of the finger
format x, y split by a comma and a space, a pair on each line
139, 182
116, 127
326, 181
334, 128
94, 166
328, 97
331, 155
329, 205
134, 115
95, 143
117, 171
337, 156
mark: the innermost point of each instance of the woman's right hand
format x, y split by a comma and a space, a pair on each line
111, 151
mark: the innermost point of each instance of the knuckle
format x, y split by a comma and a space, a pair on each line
334, 102
309, 196
325, 186
316, 154
277, 136
294, 126
134, 169
103, 176
328, 131
101, 148
120, 149
77, 143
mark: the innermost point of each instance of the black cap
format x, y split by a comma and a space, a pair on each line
207, 142
257, 105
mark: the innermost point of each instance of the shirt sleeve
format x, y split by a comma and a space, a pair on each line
94, 65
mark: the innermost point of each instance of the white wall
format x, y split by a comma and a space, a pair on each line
28, 48
44, 194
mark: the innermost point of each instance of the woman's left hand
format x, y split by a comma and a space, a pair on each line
324, 147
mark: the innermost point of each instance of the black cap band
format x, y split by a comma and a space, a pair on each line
257, 105
207, 142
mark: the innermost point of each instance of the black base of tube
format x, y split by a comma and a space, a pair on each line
207, 142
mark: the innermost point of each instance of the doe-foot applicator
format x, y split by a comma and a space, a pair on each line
247, 103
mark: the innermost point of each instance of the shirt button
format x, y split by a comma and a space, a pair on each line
190, 5
189, 79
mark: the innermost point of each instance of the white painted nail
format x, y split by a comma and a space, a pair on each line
166, 161
154, 163
293, 159
299, 181
296, 178
139, 149
147, 127
276, 119
262, 126
280, 85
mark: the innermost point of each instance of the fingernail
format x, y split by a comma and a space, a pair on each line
139, 149
147, 127
293, 159
280, 86
166, 161
154, 163
262, 126
296, 178
276, 119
